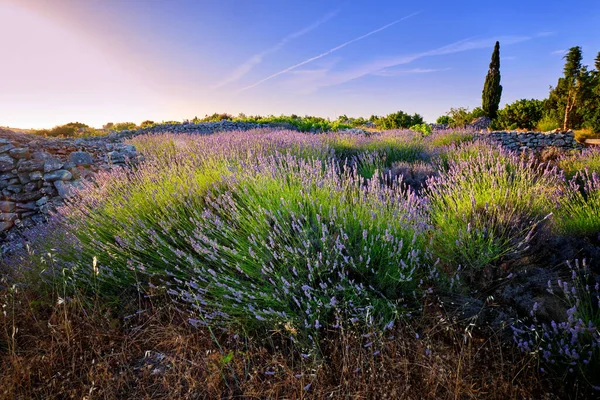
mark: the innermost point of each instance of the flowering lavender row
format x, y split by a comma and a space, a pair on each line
295, 233
261, 232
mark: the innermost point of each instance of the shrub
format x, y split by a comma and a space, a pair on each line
571, 346
425, 129
461, 117
250, 237
486, 207
123, 126
588, 159
523, 114
398, 120
579, 209
147, 123
547, 124
447, 138
444, 120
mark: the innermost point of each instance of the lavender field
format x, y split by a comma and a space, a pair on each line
275, 263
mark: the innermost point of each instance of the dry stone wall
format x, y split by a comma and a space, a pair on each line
535, 141
36, 174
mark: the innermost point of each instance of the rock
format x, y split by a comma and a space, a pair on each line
60, 174
64, 190
559, 142
7, 206
8, 216
42, 201
115, 157
81, 158
35, 176
19, 153
6, 163
5, 225
31, 205
41, 155
26, 196
30, 165
24, 177
52, 164
6, 147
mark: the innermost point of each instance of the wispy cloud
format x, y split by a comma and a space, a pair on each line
399, 72
256, 59
341, 46
334, 78
559, 52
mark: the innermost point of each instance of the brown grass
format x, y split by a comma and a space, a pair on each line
89, 350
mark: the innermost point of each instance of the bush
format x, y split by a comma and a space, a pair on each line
522, 114
588, 160
398, 120
547, 124
425, 129
124, 126
444, 120
72, 129
579, 209
569, 346
486, 207
250, 238
461, 117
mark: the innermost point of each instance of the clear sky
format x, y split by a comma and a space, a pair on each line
98, 61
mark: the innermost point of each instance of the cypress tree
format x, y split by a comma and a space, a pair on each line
492, 90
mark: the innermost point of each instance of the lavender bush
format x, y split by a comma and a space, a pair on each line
487, 205
570, 345
259, 233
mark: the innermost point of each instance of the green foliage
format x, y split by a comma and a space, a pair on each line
449, 139
123, 126
444, 120
254, 240
425, 129
568, 102
398, 120
72, 129
547, 123
147, 123
486, 206
588, 160
522, 114
492, 90
579, 210
460, 117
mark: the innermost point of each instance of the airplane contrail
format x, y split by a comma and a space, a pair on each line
328, 52
256, 59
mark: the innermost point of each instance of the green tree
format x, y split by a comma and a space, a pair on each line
592, 119
444, 120
573, 84
524, 114
460, 117
492, 90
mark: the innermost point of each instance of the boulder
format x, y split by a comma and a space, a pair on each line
61, 174
81, 158
7, 163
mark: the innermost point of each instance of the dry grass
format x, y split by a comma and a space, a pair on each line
582, 134
90, 350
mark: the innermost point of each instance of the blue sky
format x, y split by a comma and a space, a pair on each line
107, 60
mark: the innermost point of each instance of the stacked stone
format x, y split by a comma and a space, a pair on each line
37, 174
534, 140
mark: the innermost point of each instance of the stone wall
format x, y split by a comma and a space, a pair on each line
36, 174
535, 141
